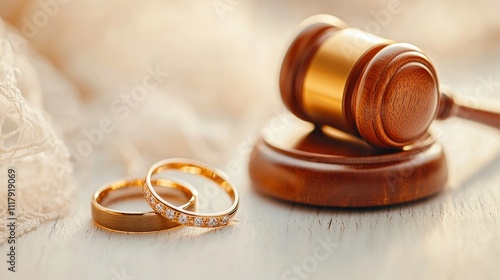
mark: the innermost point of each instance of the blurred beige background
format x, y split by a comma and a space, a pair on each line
220, 61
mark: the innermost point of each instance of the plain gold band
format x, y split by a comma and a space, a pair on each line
137, 221
183, 216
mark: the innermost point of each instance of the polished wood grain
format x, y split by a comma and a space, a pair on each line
390, 97
396, 98
307, 165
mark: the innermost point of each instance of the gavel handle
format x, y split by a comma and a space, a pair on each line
448, 107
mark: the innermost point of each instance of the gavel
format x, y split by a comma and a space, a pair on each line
384, 92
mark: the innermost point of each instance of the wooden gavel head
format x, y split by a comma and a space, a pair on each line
384, 92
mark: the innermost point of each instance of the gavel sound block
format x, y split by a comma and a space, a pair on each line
383, 94
307, 164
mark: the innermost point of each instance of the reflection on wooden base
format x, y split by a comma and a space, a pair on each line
324, 167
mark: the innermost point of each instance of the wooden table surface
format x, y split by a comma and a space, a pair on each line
454, 235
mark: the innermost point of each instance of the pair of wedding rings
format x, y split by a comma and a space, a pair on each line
165, 214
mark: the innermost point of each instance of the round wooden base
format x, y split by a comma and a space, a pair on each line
297, 162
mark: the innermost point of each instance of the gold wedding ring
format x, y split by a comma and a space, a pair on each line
137, 221
183, 216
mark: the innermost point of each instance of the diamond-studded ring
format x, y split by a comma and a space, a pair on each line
136, 221
183, 216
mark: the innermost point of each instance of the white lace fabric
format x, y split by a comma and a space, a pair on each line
28, 143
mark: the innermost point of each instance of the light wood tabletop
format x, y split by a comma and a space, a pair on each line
453, 235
